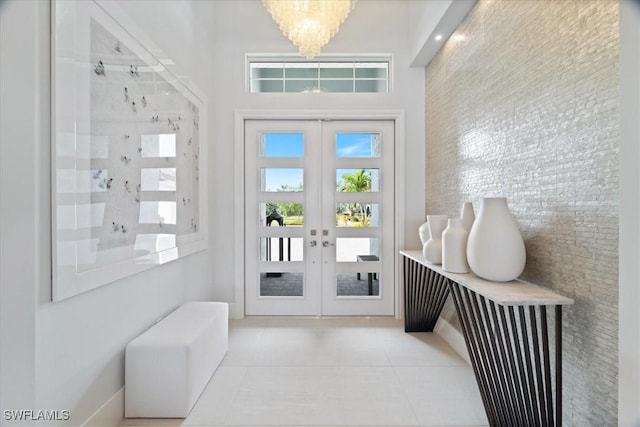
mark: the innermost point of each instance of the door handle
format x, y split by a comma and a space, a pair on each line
313, 243
326, 244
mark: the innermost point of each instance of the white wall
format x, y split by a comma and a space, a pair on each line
629, 290
246, 27
70, 354
19, 223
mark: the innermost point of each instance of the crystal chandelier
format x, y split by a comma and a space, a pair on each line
309, 24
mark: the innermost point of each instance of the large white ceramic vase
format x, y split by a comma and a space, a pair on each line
495, 249
432, 250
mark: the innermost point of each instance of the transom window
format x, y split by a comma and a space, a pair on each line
330, 76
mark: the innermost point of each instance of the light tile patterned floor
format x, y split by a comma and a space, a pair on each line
334, 372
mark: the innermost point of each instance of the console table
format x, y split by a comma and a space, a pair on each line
506, 332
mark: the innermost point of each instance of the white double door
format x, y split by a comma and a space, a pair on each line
319, 217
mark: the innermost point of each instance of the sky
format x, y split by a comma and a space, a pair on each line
292, 145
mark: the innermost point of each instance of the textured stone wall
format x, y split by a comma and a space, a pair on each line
522, 102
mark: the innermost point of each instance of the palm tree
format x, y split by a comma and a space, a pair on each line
357, 182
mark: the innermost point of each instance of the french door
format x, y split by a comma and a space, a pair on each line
319, 217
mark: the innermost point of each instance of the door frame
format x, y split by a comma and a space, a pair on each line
237, 308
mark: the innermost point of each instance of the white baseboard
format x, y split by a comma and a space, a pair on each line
110, 414
453, 337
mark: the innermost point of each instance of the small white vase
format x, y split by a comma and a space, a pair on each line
454, 247
467, 215
423, 232
432, 249
495, 249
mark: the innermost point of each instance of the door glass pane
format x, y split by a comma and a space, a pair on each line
357, 215
357, 145
282, 145
357, 180
356, 249
281, 179
365, 283
281, 284
291, 214
281, 248
363, 250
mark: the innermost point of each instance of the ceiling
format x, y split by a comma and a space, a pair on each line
372, 23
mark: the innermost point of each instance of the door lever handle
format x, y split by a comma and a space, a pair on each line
313, 243
326, 244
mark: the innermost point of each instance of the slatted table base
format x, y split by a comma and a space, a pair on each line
425, 294
511, 359
509, 346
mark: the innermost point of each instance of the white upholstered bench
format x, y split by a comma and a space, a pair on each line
168, 366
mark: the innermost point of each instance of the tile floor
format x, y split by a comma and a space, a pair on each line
334, 372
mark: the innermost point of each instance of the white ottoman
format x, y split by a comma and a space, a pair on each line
168, 366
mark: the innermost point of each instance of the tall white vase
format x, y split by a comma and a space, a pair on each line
454, 247
423, 232
432, 250
467, 215
495, 249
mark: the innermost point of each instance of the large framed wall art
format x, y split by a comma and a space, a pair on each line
128, 151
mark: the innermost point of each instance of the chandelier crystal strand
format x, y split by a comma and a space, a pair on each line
309, 24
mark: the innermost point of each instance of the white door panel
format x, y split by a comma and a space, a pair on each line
329, 248
358, 259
